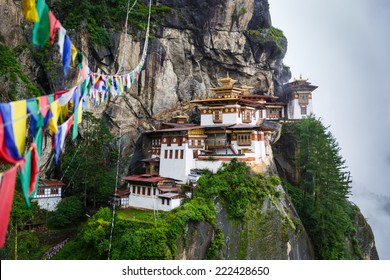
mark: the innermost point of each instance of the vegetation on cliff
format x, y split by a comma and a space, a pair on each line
321, 195
159, 235
17, 85
99, 17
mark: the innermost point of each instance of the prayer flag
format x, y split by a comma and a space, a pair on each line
74, 54
67, 55
29, 173
4, 154
61, 39
7, 188
29, 10
54, 26
19, 115
41, 30
55, 111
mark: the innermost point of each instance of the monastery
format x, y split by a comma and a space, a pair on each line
234, 124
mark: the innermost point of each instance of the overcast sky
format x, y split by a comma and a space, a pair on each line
343, 47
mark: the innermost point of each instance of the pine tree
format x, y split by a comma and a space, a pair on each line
325, 185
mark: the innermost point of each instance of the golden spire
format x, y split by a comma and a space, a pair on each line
227, 82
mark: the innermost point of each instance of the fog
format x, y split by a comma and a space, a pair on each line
342, 47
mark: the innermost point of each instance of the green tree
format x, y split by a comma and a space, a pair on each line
324, 184
68, 211
91, 166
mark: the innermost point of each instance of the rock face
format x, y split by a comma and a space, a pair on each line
365, 238
200, 42
273, 232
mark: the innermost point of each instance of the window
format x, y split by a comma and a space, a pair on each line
168, 201
195, 153
163, 201
149, 191
143, 191
53, 191
166, 154
246, 116
134, 189
138, 190
176, 154
154, 191
244, 139
41, 192
303, 110
181, 154
217, 116
170, 153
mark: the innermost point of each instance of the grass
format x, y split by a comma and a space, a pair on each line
136, 215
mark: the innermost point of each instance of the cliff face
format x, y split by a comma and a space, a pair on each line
199, 42
273, 231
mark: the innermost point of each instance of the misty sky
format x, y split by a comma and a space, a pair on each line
343, 47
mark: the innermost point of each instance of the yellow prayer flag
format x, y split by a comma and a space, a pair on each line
19, 115
55, 110
29, 10
80, 113
74, 54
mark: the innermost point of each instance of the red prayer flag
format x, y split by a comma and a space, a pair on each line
7, 188
54, 26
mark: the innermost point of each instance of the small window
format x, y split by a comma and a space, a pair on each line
53, 191
181, 154
217, 116
41, 192
166, 154
149, 191
246, 116
170, 153
303, 110
176, 154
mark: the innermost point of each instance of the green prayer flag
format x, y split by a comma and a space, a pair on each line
25, 176
41, 30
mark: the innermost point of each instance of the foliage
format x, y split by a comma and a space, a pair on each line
100, 16
321, 197
237, 187
68, 211
137, 235
266, 35
11, 70
89, 155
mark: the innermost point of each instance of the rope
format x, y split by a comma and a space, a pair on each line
78, 147
125, 31
119, 146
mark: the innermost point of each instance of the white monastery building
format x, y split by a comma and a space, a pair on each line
234, 124
48, 194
